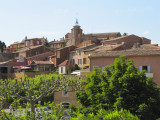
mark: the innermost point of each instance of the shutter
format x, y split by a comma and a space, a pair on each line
149, 69
140, 68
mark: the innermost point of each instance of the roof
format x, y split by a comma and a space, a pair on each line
66, 62
56, 42
36, 39
41, 62
26, 49
102, 48
131, 52
111, 33
122, 37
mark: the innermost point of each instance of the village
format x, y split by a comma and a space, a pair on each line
35, 56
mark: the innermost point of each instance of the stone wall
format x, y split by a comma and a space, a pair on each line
5, 57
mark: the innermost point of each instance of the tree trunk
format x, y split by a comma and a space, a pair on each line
33, 107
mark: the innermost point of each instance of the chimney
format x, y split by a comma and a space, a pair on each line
26, 38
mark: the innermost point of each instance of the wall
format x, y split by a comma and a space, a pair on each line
63, 54
152, 61
77, 56
64, 69
5, 56
58, 99
29, 74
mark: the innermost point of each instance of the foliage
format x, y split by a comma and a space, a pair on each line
2, 45
124, 34
84, 68
76, 67
106, 115
46, 43
121, 86
34, 89
55, 114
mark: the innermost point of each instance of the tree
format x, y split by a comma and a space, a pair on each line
2, 45
31, 89
124, 34
121, 86
34, 89
46, 43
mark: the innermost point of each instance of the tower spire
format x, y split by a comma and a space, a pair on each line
76, 21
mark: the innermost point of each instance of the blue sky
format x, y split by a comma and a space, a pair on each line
54, 18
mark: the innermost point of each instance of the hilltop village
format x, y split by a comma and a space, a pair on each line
35, 56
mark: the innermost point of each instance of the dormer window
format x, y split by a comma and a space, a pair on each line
37, 42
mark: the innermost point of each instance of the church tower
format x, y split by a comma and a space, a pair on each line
76, 32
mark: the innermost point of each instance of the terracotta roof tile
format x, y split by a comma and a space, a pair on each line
66, 62
131, 52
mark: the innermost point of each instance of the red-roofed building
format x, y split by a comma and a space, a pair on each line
65, 67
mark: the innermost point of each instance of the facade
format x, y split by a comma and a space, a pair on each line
57, 44
61, 55
14, 47
21, 55
145, 58
65, 67
65, 98
80, 57
34, 42
42, 66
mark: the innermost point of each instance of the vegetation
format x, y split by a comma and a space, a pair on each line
124, 34
121, 86
2, 45
76, 67
118, 92
34, 89
46, 43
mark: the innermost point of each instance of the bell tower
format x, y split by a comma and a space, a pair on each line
76, 32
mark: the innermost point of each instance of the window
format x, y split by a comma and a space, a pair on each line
66, 105
73, 54
54, 45
37, 42
146, 68
64, 94
61, 69
79, 52
73, 61
84, 60
31, 42
26, 43
58, 54
21, 58
79, 61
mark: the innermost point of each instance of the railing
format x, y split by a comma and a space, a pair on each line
149, 75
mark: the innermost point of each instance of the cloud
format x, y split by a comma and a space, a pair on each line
145, 33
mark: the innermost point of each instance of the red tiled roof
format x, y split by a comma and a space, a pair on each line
64, 63
131, 52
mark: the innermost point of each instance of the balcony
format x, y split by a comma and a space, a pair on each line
149, 75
